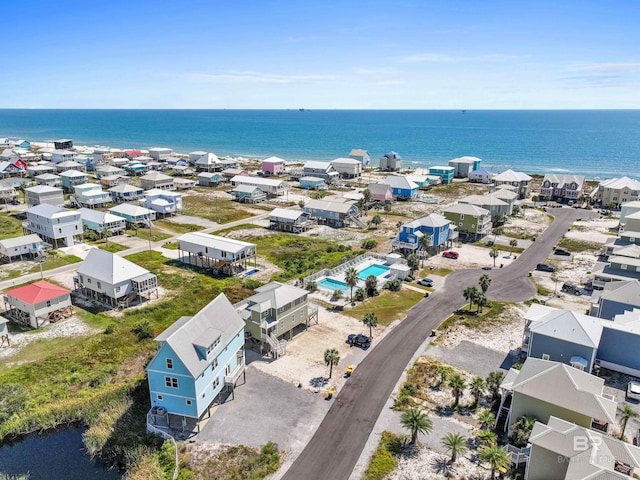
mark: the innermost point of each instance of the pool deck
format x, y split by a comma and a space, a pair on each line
359, 267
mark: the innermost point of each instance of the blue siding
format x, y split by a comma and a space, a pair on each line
559, 350
438, 235
620, 348
610, 309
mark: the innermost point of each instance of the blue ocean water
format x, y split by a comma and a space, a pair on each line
595, 143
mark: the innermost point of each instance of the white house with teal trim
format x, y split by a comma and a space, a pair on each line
199, 359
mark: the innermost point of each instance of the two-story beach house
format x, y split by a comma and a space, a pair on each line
390, 162
347, 167
516, 179
463, 166
113, 280
220, 254
324, 170
156, 180
562, 187
199, 359
134, 214
445, 172
205, 161
37, 303
43, 194
362, 156
470, 220
335, 214
401, 187
160, 154
616, 191
91, 195
271, 186
125, 193
288, 220
481, 175
439, 230
98, 221
163, 202
57, 226
71, 178
273, 166
49, 180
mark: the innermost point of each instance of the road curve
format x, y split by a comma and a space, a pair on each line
338, 442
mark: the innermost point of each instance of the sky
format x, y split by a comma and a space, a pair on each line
347, 54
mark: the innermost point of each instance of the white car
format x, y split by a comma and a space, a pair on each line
633, 390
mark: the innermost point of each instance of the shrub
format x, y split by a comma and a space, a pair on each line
251, 284
312, 286
393, 285
359, 295
90, 236
337, 295
110, 329
143, 329
12, 400
383, 461
369, 243
410, 278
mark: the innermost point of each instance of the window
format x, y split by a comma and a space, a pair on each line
169, 363
462, 216
545, 356
227, 370
99, 284
214, 364
213, 346
48, 303
216, 382
188, 402
88, 280
171, 382
59, 230
160, 397
460, 224
473, 225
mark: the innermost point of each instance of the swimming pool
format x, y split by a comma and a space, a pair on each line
333, 284
375, 270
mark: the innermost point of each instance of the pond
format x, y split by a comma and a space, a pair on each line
56, 455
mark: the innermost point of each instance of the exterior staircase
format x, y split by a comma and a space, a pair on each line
357, 221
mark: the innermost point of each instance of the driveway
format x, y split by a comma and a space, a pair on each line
343, 433
266, 409
473, 358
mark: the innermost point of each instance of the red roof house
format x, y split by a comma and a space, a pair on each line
37, 302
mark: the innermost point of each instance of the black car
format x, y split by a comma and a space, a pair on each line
359, 340
562, 251
545, 267
571, 288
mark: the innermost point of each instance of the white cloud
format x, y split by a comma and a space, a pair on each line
255, 77
446, 58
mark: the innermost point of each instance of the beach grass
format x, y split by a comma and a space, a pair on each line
112, 247
10, 226
143, 234
220, 210
178, 228
576, 246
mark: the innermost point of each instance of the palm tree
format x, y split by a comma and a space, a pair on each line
487, 419
477, 388
413, 263
371, 285
351, 279
470, 294
484, 281
513, 243
331, 358
481, 301
494, 379
497, 231
106, 233
496, 457
366, 198
416, 421
457, 386
625, 413
486, 437
493, 253
443, 372
454, 443
370, 320
376, 220
425, 240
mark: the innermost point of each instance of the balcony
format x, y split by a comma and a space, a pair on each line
599, 426
232, 378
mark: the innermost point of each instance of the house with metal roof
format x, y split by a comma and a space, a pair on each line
57, 226
199, 359
107, 170
210, 179
390, 162
616, 191
23, 246
517, 179
111, 181
496, 206
628, 208
126, 193
160, 153
248, 194
615, 298
70, 165
71, 178
438, 228
163, 202
62, 155
562, 187
134, 214
380, 192
333, 213
43, 194
445, 172
274, 312
561, 450
49, 180
622, 265
542, 389
37, 303
220, 254
113, 280
481, 175
8, 193
39, 169
470, 220
273, 166
347, 167
99, 221
563, 336
90, 195
463, 166
401, 187
324, 170
362, 156
157, 180
312, 183
288, 220
205, 162
272, 187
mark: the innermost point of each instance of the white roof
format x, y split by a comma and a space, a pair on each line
400, 181
207, 159
273, 160
153, 192
285, 213
51, 211
155, 176
8, 243
217, 320
483, 200
98, 216
316, 165
72, 173
346, 161
212, 241
468, 209
131, 210
258, 181
465, 159
125, 188
42, 189
109, 267
570, 327
620, 183
562, 179
434, 220
275, 295
48, 176
512, 176
329, 206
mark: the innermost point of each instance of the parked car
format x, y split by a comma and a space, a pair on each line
545, 267
562, 251
451, 254
633, 390
571, 288
425, 282
359, 340
486, 268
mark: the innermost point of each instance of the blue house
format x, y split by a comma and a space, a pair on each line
401, 187
437, 227
199, 360
312, 183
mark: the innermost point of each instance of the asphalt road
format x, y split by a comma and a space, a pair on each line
337, 444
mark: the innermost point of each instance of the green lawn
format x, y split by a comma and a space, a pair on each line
178, 228
221, 210
10, 226
112, 247
143, 233
388, 306
575, 246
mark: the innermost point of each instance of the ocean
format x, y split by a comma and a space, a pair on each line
596, 143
